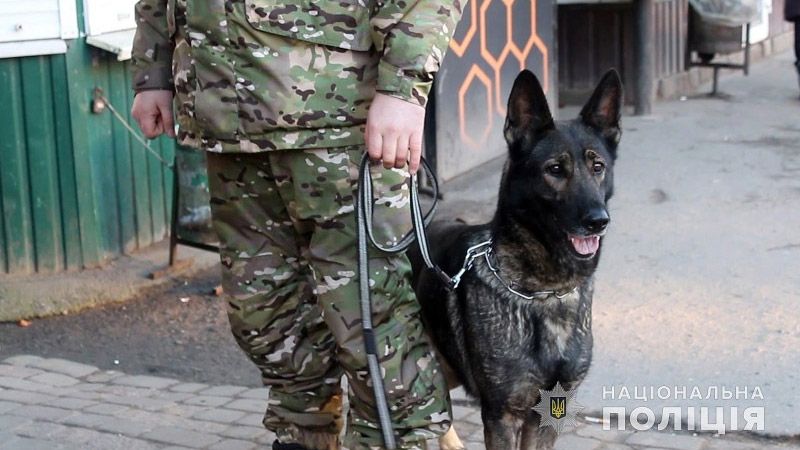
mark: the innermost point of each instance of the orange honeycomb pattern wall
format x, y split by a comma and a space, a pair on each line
492, 82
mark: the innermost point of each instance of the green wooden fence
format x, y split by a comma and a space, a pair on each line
75, 189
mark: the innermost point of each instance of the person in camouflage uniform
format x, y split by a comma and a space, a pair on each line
286, 98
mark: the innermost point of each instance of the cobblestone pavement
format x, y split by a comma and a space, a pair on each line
54, 404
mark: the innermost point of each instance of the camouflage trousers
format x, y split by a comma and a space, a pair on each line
287, 230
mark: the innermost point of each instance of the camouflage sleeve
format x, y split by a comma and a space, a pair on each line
412, 36
152, 47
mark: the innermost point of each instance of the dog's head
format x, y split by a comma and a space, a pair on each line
560, 174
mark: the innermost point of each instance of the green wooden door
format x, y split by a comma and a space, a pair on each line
75, 189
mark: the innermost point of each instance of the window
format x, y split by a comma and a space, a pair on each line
36, 27
110, 25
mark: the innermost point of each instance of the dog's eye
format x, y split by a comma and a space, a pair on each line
598, 167
555, 169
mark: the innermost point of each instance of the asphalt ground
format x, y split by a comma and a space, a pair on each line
177, 330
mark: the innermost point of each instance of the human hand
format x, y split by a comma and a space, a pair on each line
153, 112
394, 132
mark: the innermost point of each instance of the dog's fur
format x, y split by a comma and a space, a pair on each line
555, 187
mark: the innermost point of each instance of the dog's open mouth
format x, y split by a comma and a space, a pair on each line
585, 245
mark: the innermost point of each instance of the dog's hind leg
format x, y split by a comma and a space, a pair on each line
450, 440
500, 433
535, 437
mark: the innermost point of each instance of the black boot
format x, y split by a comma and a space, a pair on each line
278, 446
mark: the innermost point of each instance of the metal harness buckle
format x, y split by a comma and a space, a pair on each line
472, 253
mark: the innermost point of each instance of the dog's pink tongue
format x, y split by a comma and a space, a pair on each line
586, 245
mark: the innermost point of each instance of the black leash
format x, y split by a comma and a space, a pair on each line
364, 210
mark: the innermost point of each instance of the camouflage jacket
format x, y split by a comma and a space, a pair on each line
255, 75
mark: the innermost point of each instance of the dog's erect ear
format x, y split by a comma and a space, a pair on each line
527, 108
602, 111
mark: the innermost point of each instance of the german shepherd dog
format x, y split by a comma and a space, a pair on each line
520, 319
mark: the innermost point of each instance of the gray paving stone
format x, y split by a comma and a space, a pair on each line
243, 432
77, 436
103, 376
144, 381
8, 406
9, 423
88, 387
71, 403
462, 412
596, 431
25, 397
55, 391
126, 391
108, 409
149, 404
476, 436
205, 400
82, 419
25, 443
42, 412
21, 385
730, 444
175, 397
6, 435
107, 441
233, 444
121, 426
122, 412
9, 370
572, 442
62, 366
107, 424
54, 379
608, 446
459, 394
22, 360
252, 420
88, 395
188, 438
223, 391
161, 419
188, 387
41, 430
248, 404
220, 415
665, 440
464, 429
257, 394
779, 447
182, 410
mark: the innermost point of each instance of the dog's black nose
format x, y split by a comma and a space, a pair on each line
596, 220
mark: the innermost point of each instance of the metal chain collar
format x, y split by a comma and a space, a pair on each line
485, 249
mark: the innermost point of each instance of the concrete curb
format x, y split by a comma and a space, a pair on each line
40, 295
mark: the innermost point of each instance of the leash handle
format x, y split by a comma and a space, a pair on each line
366, 202
419, 220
